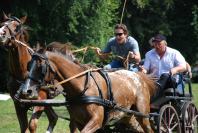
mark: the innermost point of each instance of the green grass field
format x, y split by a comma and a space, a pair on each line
9, 122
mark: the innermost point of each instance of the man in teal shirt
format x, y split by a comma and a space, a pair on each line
121, 45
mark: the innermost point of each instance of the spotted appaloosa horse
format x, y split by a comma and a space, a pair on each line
14, 37
128, 90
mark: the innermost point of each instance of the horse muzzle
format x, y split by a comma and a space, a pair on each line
30, 92
3, 39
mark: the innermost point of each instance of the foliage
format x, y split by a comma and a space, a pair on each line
195, 19
90, 22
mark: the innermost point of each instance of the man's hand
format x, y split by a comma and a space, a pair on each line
142, 69
173, 71
131, 55
97, 51
101, 55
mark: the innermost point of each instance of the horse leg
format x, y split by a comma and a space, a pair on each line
52, 118
21, 110
22, 117
73, 127
136, 127
51, 115
143, 106
94, 123
34, 118
91, 127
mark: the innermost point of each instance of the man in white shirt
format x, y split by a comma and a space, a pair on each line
163, 62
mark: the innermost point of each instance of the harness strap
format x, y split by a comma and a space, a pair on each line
99, 90
108, 81
104, 102
90, 99
86, 86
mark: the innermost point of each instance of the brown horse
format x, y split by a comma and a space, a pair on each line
95, 97
14, 37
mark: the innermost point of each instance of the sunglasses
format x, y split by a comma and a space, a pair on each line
118, 34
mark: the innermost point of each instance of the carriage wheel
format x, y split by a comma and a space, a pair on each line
168, 120
189, 118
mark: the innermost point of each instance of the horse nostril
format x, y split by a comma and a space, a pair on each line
4, 32
29, 92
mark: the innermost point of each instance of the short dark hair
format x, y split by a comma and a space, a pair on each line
123, 27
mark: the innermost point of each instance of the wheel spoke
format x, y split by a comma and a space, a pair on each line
172, 117
164, 123
190, 118
169, 121
174, 126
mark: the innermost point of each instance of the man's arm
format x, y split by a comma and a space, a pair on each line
188, 69
135, 56
178, 69
180, 64
101, 55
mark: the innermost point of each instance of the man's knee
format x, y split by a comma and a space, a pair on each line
163, 80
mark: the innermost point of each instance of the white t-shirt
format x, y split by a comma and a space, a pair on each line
156, 66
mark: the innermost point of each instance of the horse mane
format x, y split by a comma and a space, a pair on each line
67, 57
150, 83
88, 66
65, 50
63, 47
25, 33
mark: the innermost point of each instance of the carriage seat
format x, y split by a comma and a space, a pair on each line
172, 92
183, 78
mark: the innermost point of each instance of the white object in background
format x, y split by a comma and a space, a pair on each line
4, 97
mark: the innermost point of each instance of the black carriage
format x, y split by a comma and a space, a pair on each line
175, 112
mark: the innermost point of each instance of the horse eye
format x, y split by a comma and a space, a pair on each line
18, 27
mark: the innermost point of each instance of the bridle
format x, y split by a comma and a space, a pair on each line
18, 30
45, 68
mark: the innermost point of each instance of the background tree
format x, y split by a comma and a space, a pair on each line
91, 22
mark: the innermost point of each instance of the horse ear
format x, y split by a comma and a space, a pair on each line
5, 17
9, 15
45, 45
38, 46
23, 19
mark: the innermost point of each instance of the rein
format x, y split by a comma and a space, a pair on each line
85, 49
66, 80
23, 44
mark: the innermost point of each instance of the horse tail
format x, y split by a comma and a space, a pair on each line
151, 85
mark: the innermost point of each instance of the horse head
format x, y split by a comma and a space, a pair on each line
40, 73
13, 28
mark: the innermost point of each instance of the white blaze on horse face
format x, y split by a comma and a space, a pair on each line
27, 83
2, 30
129, 74
3, 35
